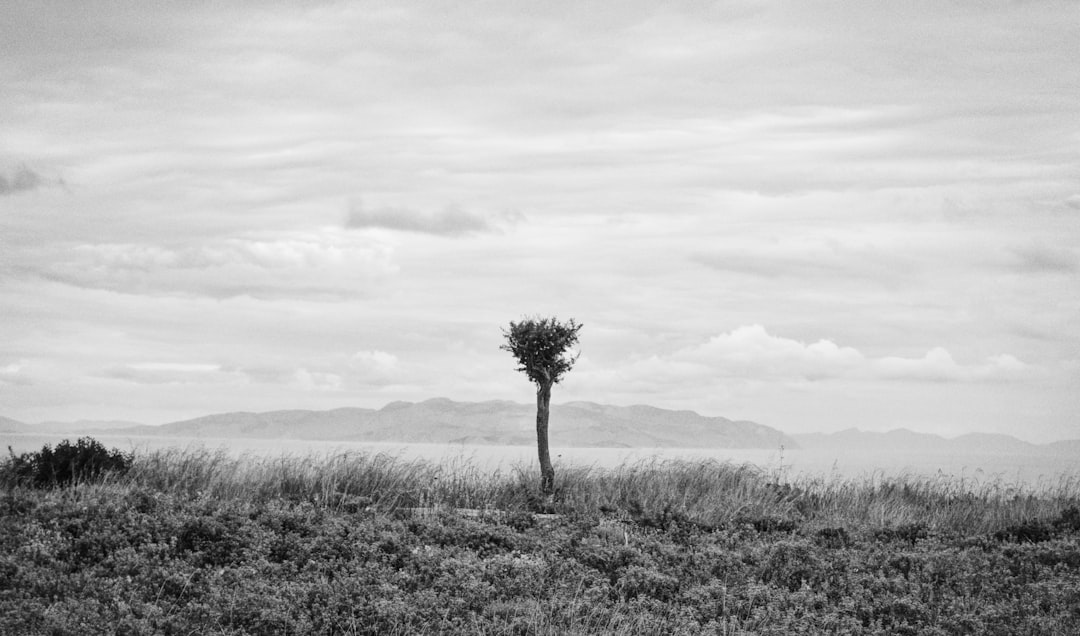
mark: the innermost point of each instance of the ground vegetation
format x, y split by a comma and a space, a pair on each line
196, 541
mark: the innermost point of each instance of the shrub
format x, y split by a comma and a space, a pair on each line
213, 540
908, 532
1031, 532
84, 461
771, 524
1069, 520
834, 537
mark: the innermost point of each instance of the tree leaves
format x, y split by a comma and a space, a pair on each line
540, 346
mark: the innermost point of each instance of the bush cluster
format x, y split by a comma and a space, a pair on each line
86, 460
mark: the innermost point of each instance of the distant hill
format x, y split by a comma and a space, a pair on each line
292, 424
1069, 447
903, 440
439, 420
79, 426
8, 425
574, 425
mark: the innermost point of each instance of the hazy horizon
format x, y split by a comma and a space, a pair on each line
69, 427
816, 217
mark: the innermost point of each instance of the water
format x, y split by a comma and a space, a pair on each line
1038, 471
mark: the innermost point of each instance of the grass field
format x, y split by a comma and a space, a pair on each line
199, 542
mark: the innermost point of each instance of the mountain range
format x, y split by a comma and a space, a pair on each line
905, 441
440, 421
574, 424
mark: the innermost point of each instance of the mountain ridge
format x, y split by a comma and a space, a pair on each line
905, 440
504, 422
494, 422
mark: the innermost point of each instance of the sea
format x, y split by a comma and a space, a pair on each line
1039, 471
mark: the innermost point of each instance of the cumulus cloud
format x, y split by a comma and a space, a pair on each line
376, 368
938, 365
450, 221
754, 345
750, 353
13, 374
22, 180
306, 380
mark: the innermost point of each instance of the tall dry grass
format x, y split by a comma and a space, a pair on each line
706, 492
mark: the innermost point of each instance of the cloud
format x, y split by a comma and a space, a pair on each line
1043, 259
22, 180
374, 360
750, 354
375, 368
938, 365
13, 374
166, 373
451, 221
295, 264
176, 367
802, 152
306, 380
798, 258
268, 254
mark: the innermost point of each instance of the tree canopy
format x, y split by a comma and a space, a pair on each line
540, 346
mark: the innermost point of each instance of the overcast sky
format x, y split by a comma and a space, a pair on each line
813, 215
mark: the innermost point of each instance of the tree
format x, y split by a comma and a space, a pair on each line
540, 346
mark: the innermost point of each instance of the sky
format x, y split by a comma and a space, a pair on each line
813, 215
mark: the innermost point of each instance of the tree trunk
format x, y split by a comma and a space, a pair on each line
543, 407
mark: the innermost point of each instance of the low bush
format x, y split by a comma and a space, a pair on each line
86, 460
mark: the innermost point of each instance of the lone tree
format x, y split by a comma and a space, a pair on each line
540, 346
